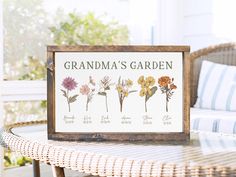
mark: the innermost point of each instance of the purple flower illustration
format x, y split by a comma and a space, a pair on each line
88, 90
69, 84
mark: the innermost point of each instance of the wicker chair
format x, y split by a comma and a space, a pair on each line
222, 53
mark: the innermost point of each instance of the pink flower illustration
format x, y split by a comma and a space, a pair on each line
69, 84
84, 90
88, 90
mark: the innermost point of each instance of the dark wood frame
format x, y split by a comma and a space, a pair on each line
179, 136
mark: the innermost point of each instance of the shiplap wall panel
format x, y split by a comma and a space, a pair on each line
199, 7
24, 90
198, 25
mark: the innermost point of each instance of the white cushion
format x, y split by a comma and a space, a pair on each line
216, 87
213, 121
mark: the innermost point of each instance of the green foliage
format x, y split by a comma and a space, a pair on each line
90, 30
43, 104
7, 160
25, 30
22, 161
28, 69
33, 69
25, 50
12, 160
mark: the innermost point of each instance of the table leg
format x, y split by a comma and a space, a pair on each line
57, 171
36, 168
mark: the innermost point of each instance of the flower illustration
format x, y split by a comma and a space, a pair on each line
69, 84
91, 81
105, 85
147, 88
123, 89
167, 87
88, 90
85, 89
164, 81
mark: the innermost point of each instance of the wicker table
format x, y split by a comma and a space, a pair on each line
207, 154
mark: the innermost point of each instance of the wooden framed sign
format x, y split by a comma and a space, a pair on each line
118, 92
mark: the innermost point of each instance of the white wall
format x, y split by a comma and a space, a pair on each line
198, 23
208, 22
118, 9
142, 21
169, 22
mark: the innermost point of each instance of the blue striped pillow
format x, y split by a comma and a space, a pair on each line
217, 87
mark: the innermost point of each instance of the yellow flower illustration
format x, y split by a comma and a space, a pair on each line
129, 83
150, 81
142, 92
141, 80
123, 88
147, 88
119, 88
144, 85
126, 93
149, 92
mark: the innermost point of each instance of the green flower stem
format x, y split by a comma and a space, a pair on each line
67, 97
167, 102
87, 104
121, 104
106, 104
146, 104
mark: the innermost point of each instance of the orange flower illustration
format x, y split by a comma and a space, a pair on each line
167, 87
164, 81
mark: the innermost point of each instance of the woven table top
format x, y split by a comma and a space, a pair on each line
209, 154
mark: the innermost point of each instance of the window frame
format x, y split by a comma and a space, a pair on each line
16, 90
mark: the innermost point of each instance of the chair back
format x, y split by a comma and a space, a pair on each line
222, 53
